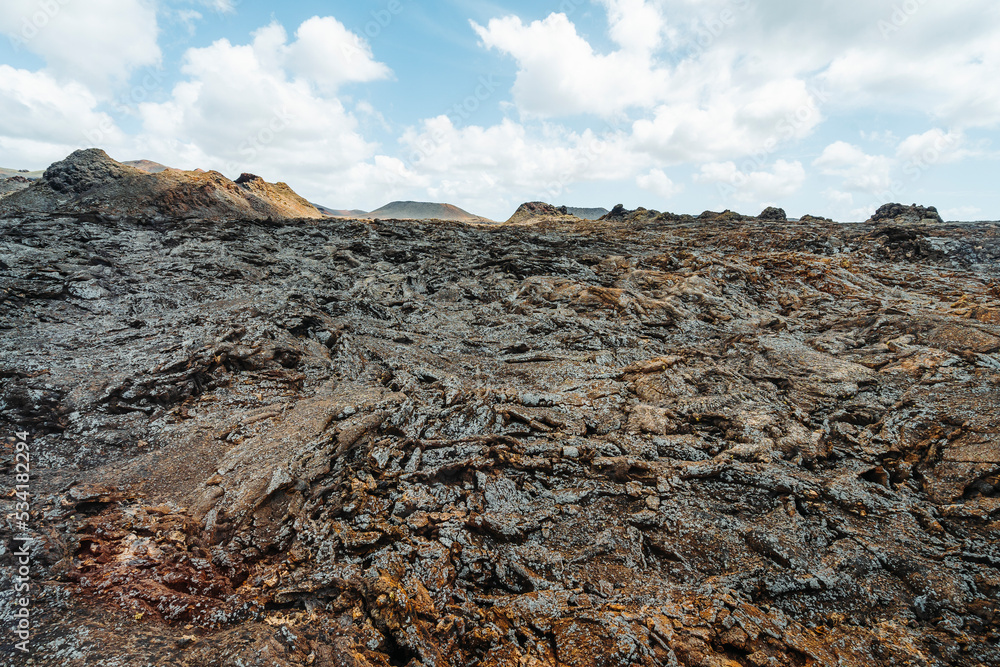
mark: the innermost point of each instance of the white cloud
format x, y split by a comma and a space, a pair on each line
188, 17
937, 57
734, 122
222, 6
709, 105
44, 119
785, 179
659, 183
270, 107
331, 55
492, 168
839, 198
560, 74
635, 25
98, 43
933, 147
859, 171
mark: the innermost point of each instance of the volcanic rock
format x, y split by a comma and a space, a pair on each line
619, 214
900, 214
773, 214
13, 184
814, 218
85, 170
89, 181
534, 211
629, 442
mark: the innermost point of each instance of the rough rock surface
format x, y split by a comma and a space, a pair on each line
13, 184
906, 214
773, 213
90, 182
640, 442
534, 211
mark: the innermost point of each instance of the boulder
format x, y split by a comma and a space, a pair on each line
773, 213
901, 214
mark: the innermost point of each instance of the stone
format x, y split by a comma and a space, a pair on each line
647, 440
773, 214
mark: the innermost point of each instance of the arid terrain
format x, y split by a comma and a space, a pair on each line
650, 439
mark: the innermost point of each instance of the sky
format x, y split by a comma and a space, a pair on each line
827, 107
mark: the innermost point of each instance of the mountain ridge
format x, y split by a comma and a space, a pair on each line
89, 180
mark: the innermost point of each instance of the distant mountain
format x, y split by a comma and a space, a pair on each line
90, 181
341, 212
587, 213
418, 210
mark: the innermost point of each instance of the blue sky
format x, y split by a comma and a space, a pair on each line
829, 108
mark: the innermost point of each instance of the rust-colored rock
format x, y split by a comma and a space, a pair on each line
645, 440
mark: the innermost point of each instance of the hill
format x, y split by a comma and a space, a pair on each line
89, 181
418, 210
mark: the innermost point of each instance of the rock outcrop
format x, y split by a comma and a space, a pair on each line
89, 181
13, 184
534, 211
900, 214
628, 442
773, 214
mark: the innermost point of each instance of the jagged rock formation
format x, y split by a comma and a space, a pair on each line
418, 210
626, 442
814, 218
13, 184
773, 214
535, 211
901, 214
89, 181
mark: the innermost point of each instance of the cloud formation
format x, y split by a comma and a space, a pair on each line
751, 101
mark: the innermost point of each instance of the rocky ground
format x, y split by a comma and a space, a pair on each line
638, 441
